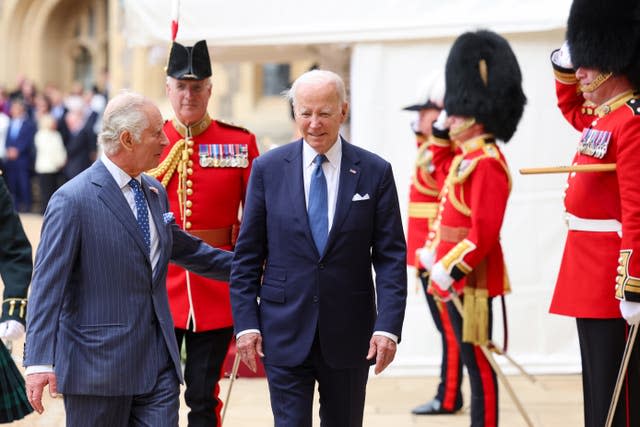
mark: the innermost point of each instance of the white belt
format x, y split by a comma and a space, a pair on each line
599, 225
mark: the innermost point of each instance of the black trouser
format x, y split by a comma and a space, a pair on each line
206, 352
449, 392
48, 186
482, 378
602, 343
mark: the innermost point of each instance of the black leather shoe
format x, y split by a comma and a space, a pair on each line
432, 407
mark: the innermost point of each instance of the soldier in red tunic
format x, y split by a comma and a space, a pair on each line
205, 169
597, 78
434, 148
484, 100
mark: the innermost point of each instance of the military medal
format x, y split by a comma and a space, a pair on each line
594, 142
216, 159
233, 161
244, 156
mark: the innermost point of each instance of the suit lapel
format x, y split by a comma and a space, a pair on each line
349, 176
114, 200
293, 172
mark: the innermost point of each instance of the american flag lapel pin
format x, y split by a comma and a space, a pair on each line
153, 190
352, 171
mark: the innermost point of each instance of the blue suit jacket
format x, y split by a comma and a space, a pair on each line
301, 290
97, 311
24, 142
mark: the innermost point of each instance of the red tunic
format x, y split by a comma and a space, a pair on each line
610, 134
214, 196
472, 210
431, 167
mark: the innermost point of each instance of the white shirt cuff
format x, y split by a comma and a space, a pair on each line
247, 331
38, 369
389, 335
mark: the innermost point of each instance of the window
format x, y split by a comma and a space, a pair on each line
275, 79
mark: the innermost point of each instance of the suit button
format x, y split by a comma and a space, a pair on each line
315, 298
321, 266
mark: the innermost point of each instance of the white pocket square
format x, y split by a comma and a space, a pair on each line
358, 198
168, 217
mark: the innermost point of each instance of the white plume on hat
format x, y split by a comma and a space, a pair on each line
430, 92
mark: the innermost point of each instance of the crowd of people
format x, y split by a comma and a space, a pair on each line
46, 138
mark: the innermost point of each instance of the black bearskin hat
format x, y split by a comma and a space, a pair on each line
483, 81
606, 36
189, 63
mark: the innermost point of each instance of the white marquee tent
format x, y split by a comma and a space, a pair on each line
393, 45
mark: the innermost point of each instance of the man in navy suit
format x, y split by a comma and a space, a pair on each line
319, 214
20, 155
99, 328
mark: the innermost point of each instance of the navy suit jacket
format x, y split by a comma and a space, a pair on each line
300, 290
97, 310
24, 142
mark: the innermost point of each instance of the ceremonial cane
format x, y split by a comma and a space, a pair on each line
232, 378
596, 167
511, 360
487, 353
628, 349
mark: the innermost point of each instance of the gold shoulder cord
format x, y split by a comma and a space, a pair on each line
421, 167
453, 179
176, 160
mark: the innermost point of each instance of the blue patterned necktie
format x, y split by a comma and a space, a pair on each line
317, 208
142, 212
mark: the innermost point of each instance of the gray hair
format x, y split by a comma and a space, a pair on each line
125, 112
317, 76
208, 80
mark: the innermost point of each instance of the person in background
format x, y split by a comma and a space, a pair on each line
51, 156
597, 75
435, 153
99, 328
205, 170
81, 138
484, 101
320, 213
20, 155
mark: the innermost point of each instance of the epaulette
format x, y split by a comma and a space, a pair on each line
634, 104
232, 126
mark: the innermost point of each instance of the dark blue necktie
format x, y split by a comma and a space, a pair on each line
317, 208
142, 213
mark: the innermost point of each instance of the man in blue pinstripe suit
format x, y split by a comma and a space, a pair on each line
99, 328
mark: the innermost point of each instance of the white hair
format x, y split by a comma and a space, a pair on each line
317, 76
125, 112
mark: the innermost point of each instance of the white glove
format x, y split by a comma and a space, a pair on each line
630, 311
562, 56
440, 277
441, 122
11, 330
427, 257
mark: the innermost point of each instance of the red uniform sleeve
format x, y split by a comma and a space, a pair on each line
628, 171
570, 99
253, 153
